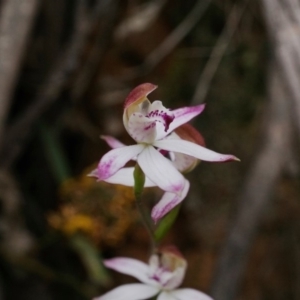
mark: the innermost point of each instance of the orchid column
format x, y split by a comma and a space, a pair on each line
166, 147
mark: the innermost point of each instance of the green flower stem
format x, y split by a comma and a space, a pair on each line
165, 224
139, 182
91, 259
54, 153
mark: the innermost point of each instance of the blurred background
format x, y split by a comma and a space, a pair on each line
66, 67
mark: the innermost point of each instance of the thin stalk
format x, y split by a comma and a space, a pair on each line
165, 224
139, 182
54, 152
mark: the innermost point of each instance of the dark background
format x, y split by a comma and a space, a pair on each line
66, 67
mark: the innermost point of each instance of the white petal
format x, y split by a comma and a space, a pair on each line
182, 116
190, 294
161, 171
141, 128
168, 202
166, 296
130, 266
134, 291
177, 278
115, 159
125, 177
112, 142
183, 162
185, 114
153, 264
193, 149
163, 276
149, 122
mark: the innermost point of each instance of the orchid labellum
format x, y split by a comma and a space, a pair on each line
165, 148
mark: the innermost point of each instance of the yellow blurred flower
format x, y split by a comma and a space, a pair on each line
101, 211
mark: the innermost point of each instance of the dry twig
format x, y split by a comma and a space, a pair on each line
141, 19
256, 192
91, 65
50, 91
284, 32
15, 22
269, 162
217, 53
169, 44
177, 35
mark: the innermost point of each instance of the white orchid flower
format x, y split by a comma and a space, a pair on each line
164, 273
166, 146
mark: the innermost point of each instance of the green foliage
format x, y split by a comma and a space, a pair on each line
165, 224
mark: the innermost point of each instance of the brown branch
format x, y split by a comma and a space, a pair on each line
142, 18
284, 94
256, 192
178, 34
169, 44
217, 53
15, 238
95, 57
15, 23
284, 32
66, 64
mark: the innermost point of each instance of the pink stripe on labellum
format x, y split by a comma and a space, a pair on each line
139, 93
166, 118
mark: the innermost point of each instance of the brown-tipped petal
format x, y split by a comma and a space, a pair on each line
139, 93
189, 133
